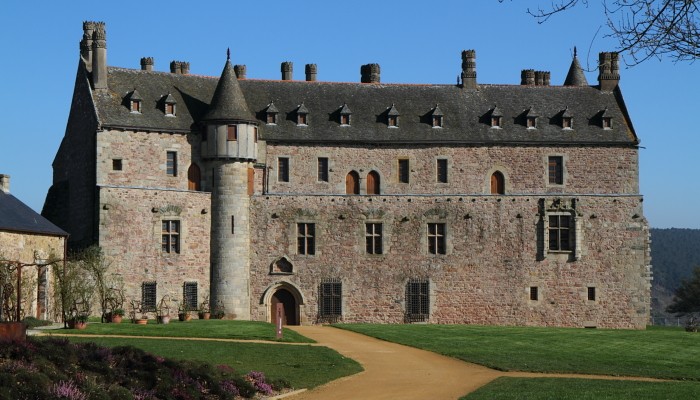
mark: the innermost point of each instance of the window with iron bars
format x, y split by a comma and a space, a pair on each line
148, 296
330, 307
189, 295
417, 300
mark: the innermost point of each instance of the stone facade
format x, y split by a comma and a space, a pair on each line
536, 219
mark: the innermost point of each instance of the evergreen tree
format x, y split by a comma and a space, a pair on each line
687, 298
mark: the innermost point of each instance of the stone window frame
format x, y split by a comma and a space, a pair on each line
271, 118
171, 163
282, 175
117, 164
423, 300
534, 294
169, 235
506, 179
564, 170
310, 241
392, 121
435, 238
149, 296
563, 207
330, 300
345, 119
438, 178
399, 176
323, 171
170, 109
531, 122
135, 106
567, 123
562, 246
371, 237
607, 123
496, 121
188, 288
591, 294
437, 121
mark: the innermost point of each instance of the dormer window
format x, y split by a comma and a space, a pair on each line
531, 118
392, 117
436, 117
302, 115
496, 117
134, 101
567, 119
607, 122
271, 114
345, 115
169, 105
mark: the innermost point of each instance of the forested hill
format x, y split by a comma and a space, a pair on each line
674, 254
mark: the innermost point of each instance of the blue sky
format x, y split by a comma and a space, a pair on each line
413, 41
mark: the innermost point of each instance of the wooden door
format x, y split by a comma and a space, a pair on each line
497, 183
352, 183
283, 296
194, 177
373, 183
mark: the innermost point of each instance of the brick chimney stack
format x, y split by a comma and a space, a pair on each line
527, 77
180, 67
370, 73
469, 69
86, 44
311, 71
542, 78
608, 71
5, 183
147, 63
287, 70
99, 56
240, 71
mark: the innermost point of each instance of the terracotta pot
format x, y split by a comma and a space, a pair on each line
184, 316
204, 315
115, 319
163, 319
142, 321
72, 324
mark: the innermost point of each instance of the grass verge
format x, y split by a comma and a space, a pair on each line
656, 353
213, 329
302, 366
582, 389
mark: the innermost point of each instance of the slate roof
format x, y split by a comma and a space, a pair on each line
228, 102
466, 113
16, 216
575, 77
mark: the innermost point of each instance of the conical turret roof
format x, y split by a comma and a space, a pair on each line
575, 77
228, 102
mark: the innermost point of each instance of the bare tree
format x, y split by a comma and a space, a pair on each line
643, 28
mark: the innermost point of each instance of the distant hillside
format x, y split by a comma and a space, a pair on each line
674, 254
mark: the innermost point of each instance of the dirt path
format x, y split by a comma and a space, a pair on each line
393, 371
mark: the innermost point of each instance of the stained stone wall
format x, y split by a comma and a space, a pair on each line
494, 255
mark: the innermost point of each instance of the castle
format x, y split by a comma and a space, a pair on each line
359, 202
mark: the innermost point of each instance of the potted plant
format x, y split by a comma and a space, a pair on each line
218, 311
136, 313
163, 310
78, 322
183, 312
116, 315
204, 310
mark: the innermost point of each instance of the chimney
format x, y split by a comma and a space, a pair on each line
180, 67
287, 70
469, 69
147, 63
370, 73
527, 77
86, 44
5, 183
99, 56
311, 71
542, 78
185, 67
608, 71
240, 71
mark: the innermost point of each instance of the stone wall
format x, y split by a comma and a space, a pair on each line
130, 235
590, 170
494, 255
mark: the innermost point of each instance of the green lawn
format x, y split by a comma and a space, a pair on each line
303, 366
582, 389
658, 353
213, 328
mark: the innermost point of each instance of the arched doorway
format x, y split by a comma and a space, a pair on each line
194, 177
283, 296
352, 183
373, 182
498, 183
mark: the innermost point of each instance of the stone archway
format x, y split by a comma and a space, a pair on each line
291, 309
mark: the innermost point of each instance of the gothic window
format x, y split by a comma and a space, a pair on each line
560, 233
171, 163
441, 175
330, 299
373, 238
556, 170
170, 236
417, 300
498, 183
323, 169
352, 183
283, 169
404, 170
436, 238
189, 295
148, 296
306, 238
194, 177
373, 182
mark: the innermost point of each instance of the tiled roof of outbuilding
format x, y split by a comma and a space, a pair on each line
16, 216
467, 112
